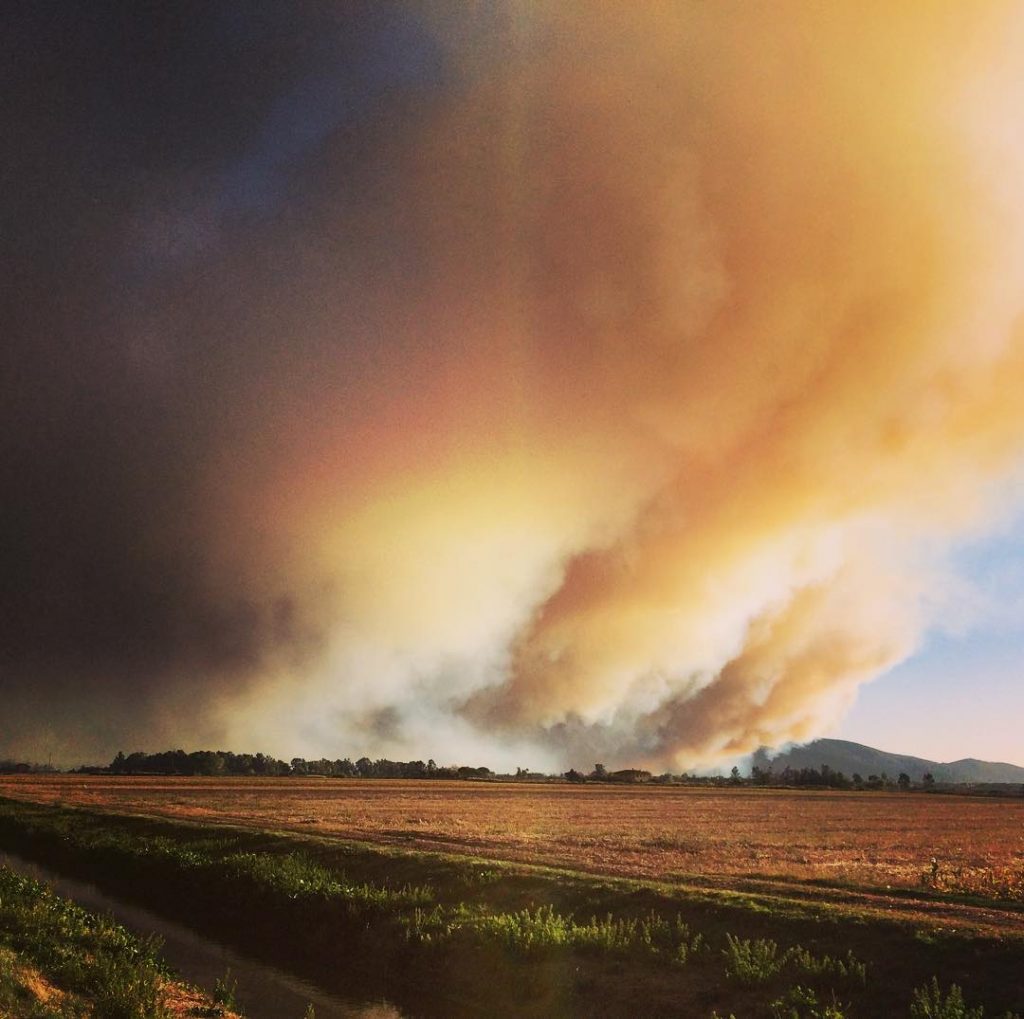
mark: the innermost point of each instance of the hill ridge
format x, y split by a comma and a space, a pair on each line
849, 758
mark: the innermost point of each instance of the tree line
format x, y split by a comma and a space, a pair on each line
11, 767
227, 763
830, 778
224, 762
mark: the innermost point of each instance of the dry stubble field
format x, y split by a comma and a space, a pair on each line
879, 840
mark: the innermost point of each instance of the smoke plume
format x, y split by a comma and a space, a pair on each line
613, 387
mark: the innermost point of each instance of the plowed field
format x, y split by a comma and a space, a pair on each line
871, 839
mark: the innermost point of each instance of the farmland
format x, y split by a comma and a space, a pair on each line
876, 840
546, 899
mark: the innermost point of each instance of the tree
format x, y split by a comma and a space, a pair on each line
903, 781
243, 764
928, 780
600, 773
205, 762
760, 776
734, 776
134, 762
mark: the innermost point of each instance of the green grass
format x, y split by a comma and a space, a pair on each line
297, 877
93, 958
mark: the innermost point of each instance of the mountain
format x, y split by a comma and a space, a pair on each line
972, 770
850, 758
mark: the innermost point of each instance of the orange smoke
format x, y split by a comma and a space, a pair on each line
713, 352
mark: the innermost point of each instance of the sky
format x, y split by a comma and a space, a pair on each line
519, 384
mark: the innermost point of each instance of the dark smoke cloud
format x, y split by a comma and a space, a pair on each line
152, 198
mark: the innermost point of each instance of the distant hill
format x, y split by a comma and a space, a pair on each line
850, 758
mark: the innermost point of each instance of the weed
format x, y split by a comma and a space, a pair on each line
752, 962
225, 990
848, 968
803, 1003
930, 1003
528, 932
429, 927
532, 932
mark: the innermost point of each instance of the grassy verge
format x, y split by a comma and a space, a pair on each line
457, 936
58, 960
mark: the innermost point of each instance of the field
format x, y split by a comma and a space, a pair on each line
529, 899
876, 840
